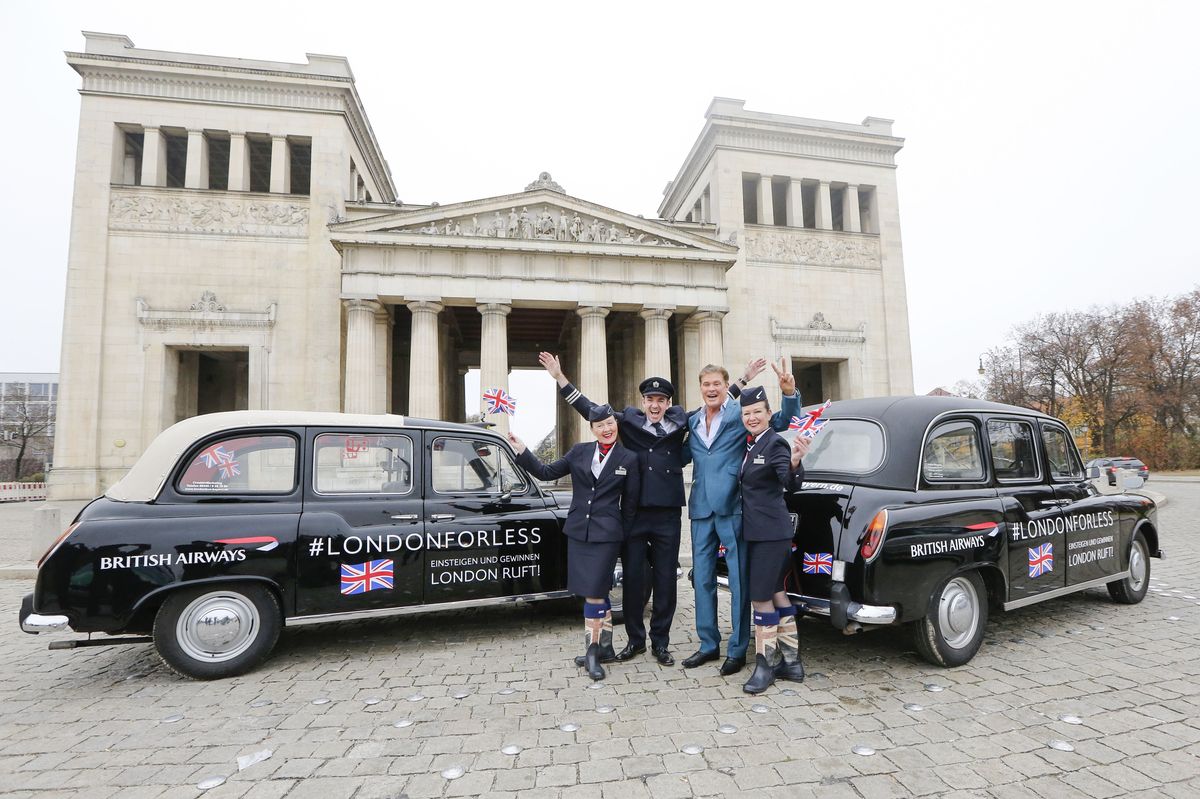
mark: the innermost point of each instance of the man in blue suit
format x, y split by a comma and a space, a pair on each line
718, 444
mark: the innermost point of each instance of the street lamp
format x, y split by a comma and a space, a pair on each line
981, 370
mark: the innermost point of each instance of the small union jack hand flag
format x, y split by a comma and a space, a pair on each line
811, 425
1041, 560
794, 424
499, 401
818, 563
362, 577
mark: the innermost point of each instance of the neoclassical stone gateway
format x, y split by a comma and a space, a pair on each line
236, 242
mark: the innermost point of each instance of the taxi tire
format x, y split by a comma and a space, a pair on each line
928, 633
1126, 591
267, 625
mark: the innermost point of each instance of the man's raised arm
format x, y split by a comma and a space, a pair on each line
572, 395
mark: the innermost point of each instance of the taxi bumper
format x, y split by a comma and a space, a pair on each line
37, 623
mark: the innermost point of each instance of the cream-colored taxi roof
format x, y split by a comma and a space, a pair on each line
143, 482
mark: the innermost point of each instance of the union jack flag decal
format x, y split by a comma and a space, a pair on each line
217, 456
499, 401
812, 423
1041, 560
818, 563
360, 578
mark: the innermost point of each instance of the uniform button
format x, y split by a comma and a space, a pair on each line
652, 449
588, 516
589, 502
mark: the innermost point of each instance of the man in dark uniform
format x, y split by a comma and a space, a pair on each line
656, 433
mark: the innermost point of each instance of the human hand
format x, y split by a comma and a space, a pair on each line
517, 444
551, 364
787, 380
800, 448
753, 368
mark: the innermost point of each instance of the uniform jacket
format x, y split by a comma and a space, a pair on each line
715, 469
660, 458
602, 509
766, 476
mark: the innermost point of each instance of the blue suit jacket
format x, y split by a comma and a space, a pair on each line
715, 469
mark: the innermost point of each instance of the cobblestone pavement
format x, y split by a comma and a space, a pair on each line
113, 721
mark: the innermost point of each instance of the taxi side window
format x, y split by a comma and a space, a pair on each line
1013, 453
953, 453
461, 465
262, 464
1064, 463
355, 463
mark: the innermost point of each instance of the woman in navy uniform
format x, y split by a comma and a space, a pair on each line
770, 468
606, 484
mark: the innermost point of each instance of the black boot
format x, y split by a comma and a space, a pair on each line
592, 662
607, 655
766, 658
788, 637
762, 678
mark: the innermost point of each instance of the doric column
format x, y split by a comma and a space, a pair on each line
850, 210
705, 212
593, 358
824, 210
766, 201
281, 166
493, 355
424, 386
383, 359
239, 163
712, 336
658, 343
195, 175
795, 203
154, 158
360, 355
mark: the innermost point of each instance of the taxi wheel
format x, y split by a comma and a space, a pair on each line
1132, 589
209, 632
952, 630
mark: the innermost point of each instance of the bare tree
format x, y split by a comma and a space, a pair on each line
24, 425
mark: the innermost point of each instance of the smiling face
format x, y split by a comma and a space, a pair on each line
714, 386
756, 417
605, 430
655, 406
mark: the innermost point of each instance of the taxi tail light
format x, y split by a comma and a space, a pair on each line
874, 536
55, 545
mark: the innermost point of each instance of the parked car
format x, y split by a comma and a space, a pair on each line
931, 511
233, 525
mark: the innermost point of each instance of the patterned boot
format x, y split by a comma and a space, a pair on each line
607, 655
766, 652
593, 623
790, 667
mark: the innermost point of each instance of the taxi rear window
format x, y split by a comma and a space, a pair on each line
847, 446
246, 464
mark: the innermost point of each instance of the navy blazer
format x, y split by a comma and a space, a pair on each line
601, 509
766, 476
660, 458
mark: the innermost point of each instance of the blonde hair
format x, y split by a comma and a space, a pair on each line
712, 368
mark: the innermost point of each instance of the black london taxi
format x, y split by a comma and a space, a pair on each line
232, 525
928, 511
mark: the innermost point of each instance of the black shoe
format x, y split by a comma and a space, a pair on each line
662, 656
606, 656
700, 658
732, 666
762, 678
592, 662
629, 652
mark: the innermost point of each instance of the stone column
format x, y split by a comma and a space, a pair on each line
850, 219
360, 356
824, 210
195, 175
281, 166
383, 360
795, 204
493, 356
593, 358
239, 163
705, 213
424, 386
712, 336
766, 201
658, 343
154, 158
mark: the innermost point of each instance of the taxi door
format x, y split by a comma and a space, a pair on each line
1036, 555
361, 533
489, 531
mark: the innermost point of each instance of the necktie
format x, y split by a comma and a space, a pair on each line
658, 429
749, 443
604, 448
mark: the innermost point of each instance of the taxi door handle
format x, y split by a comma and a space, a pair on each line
1055, 502
405, 517
441, 517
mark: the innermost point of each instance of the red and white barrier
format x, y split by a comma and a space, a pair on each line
22, 492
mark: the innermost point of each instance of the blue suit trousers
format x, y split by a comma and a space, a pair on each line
707, 533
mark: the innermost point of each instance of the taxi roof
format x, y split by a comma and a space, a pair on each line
145, 479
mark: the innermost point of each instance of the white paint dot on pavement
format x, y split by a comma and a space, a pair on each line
174, 717
863, 750
208, 783
568, 726
692, 749
416, 697
760, 708
934, 688
402, 723
1173, 618
788, 692
506, 691
260, 703
1061, 746
511, 749
321, 700
1067, 718
605, 709
371, 700
461, 694
727, 729
454, 772
913, 707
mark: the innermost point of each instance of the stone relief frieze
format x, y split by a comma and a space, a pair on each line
812, 247
542, 222
208, 313
223, 214
817, 332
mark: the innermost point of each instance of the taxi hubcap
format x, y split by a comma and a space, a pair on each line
958, 612
217, 626
1137, 566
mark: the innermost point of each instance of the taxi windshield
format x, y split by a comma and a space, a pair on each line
848, 446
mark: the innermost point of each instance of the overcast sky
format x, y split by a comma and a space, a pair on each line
1051, 156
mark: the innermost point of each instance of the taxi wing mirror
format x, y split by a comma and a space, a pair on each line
1131, 481
1093, 472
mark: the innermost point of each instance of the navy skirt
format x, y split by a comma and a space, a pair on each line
590, 566
767, 564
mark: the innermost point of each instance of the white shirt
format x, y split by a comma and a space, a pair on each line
668, 427
597, 464
708, 434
